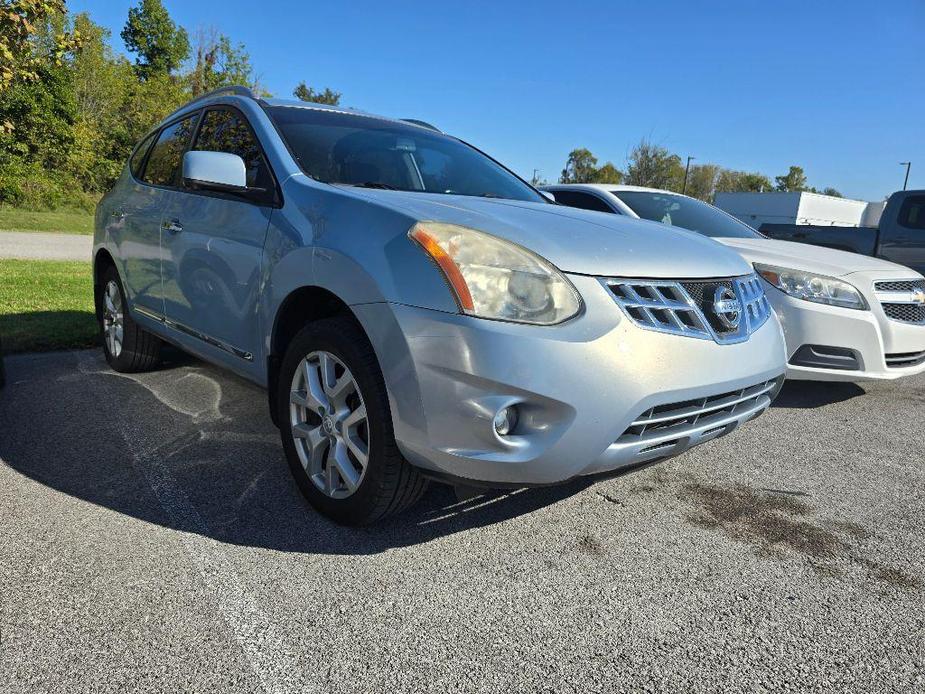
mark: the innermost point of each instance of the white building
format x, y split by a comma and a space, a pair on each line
756, 209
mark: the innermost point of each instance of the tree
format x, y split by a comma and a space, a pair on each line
306, 93
608, 173
20, 24
730, 181
793, 181
580, 167
655, 167
702, 180
833, 192
161, 46
219, 63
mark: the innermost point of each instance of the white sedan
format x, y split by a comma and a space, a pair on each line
846, 317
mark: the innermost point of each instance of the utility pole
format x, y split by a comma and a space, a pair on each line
535, 179
908, 165
686, 171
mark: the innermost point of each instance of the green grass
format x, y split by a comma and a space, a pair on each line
63, 221
45, 305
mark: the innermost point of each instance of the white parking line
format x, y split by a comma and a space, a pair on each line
265, 650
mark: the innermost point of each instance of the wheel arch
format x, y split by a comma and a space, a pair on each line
301, 306
102, 261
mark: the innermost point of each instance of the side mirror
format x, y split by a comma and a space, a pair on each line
549, 196
215, 171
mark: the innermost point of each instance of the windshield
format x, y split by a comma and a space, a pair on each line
349, 149
686, 213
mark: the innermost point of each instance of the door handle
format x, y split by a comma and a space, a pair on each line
173, 226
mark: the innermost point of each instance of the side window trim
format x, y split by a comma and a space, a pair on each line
277, 200
197, 115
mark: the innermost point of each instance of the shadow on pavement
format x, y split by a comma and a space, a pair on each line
809, 394
192, 448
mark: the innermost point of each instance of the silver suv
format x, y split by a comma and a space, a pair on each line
415, 310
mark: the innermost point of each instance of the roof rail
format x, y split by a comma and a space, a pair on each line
231, 90
422, 123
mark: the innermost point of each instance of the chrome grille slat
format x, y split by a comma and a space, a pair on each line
675, 423
723, 402
686, 306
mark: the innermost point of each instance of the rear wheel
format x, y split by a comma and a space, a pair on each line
127, 347
337, 427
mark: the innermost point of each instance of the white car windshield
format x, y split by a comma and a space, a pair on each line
687, 213
357, 150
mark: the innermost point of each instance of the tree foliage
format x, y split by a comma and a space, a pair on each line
219, 63
159, 44
794, 181
654, 166
72, 109
581, 167
305, 93
21, 22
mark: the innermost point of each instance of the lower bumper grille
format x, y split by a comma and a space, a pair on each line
670, 429
901, 360
907, 313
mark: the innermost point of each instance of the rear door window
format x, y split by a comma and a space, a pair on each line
225, 130
584, 201
163, 167
912, 213
138, 158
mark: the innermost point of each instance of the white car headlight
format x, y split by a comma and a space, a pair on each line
809, 286
497, 279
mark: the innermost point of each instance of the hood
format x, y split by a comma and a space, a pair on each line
576, 241
802, 256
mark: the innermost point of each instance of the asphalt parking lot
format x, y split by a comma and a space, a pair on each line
151, 540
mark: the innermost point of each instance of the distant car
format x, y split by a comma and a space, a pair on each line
899, 237
415, 309
846, 317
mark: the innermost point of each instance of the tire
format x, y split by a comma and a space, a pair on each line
387, 483
138, 349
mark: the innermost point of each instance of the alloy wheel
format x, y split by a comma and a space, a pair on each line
327, 417
113, 316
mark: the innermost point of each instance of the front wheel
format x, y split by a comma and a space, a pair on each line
336, 426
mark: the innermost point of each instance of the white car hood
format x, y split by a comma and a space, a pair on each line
802, 256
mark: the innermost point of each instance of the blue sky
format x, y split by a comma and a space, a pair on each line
833, 87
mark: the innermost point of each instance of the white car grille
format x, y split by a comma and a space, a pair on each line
902, 300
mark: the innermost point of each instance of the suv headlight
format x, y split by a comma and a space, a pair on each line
812, 287
497, 279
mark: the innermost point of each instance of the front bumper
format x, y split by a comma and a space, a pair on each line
874, 339
582, 389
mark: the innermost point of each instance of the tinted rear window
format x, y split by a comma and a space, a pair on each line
163, 168
912, 213
584, 201
138, 158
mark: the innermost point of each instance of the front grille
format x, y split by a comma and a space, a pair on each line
899, 285
898, 361
665, 427
902, 300
692, 307
907, 313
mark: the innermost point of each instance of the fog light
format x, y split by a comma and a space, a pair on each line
506, 420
